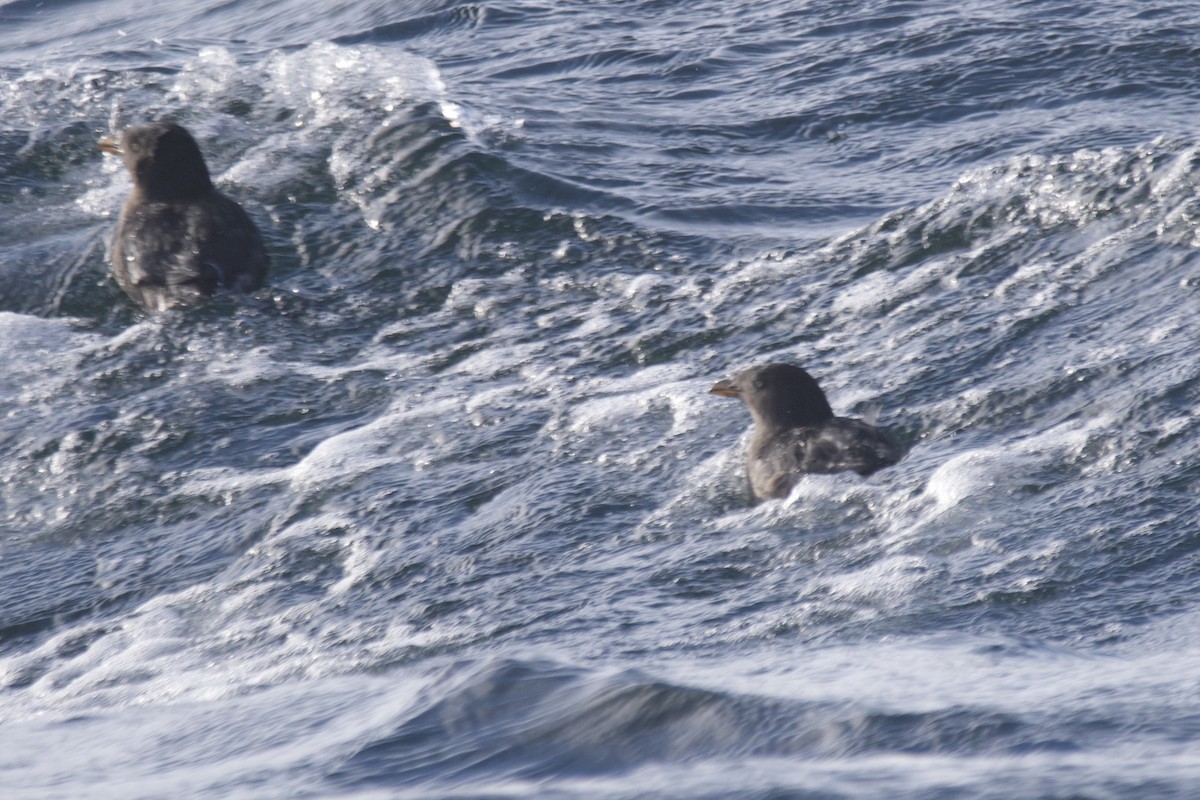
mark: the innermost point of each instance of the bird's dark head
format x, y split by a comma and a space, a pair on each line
164, 161
778, 395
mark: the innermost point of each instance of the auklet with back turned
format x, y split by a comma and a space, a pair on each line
178, 239
796, 432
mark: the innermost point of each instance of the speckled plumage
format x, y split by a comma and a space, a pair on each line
178, 239
796, 432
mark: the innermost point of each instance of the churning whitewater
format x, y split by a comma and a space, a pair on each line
445, 508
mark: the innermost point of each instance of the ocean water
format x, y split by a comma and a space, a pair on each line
447, 511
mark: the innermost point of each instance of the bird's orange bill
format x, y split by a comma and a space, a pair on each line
724, 388
110, 145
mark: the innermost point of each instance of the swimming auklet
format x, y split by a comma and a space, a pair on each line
178, 239
795, 431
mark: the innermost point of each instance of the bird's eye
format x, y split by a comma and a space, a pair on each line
758, 383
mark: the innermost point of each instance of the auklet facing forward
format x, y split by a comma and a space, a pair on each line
795, 431
179, 240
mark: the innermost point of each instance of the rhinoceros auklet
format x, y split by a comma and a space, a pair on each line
178, 240
795, 431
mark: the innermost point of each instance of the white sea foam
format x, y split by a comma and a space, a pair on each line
28, 345
527, 481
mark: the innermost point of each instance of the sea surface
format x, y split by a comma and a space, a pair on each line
446, 510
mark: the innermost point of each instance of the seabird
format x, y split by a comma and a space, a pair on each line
178, 240
796, 433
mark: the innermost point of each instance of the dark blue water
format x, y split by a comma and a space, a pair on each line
447, 510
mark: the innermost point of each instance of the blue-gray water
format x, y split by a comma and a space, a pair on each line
448, 512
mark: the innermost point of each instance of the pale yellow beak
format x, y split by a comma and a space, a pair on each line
725, 388
111, 145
